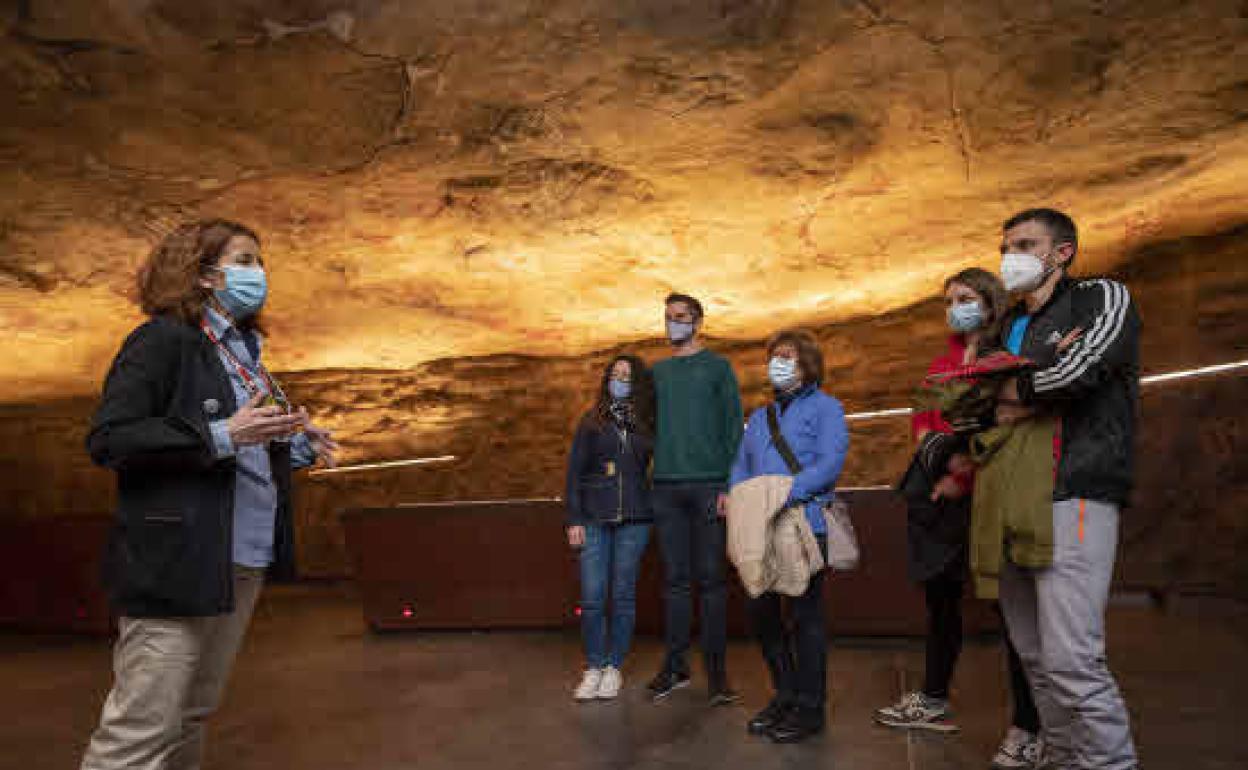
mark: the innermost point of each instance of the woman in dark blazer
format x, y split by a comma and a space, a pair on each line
203, 443
608, 504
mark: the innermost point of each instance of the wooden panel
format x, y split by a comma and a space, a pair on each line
52, 574
462, 566
506, 565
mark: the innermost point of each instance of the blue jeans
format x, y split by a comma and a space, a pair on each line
610, 557
692, 536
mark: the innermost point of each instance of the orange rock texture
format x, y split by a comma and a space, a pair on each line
468, 205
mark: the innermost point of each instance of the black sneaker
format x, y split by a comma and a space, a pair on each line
766, 719
720, 694
797, 725
665, 682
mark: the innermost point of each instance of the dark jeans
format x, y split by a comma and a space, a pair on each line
691, 538
944, 645
798, 657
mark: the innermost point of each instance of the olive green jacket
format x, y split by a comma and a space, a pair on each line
1012, 509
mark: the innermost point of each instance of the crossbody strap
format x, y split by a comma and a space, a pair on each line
782, 446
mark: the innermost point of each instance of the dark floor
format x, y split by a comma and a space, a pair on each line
314, 690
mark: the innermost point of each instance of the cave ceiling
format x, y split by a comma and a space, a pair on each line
439, 180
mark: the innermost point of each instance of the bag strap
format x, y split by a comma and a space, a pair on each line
782, 446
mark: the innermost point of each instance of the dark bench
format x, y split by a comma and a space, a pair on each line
507, 565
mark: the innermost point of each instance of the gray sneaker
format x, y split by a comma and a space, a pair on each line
1019, 751
916, 711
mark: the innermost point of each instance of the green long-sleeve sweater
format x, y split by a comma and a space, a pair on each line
698, 420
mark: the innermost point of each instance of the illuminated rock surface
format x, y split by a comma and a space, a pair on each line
458, 199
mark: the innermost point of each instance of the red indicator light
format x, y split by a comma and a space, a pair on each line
408, 612
577, 611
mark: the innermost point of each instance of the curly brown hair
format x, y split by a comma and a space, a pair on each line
809, 356
169, 281
643, 395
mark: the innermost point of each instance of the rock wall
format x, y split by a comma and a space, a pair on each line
509, 418
468, 205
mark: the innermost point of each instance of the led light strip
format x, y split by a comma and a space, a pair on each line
1215, 369
392, 464
881, 413
1150, 380
512, 501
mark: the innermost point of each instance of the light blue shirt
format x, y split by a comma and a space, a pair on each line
815, 429
255, 495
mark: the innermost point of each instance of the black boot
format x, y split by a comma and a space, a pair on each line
718, 691
797, 725
768, 718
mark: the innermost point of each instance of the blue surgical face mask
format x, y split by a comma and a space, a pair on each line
966, 317
679, 331
245, 290
783, 373
619, 389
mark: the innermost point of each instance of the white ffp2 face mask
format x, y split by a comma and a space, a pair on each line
1022, 272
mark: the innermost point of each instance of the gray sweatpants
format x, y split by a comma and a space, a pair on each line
1056, 618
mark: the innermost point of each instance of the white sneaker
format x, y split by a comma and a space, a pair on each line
1019, 751
588, 688
609, 686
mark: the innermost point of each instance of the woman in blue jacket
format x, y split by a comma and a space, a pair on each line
609, 516
813, 425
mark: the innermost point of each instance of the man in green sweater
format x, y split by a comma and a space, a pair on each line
698, 426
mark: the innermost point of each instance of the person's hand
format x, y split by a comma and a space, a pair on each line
1069, 339
321, 439
968, 425
1009, 409
947, 488
254, 424
576, 536
960, 464
721, 505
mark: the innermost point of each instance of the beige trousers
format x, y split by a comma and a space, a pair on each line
168, 676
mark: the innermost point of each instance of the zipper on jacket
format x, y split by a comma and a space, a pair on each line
227, 594
619, 484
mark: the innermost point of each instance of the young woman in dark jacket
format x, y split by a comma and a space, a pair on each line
608, 504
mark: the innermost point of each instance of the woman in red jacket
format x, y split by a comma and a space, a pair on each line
938, 531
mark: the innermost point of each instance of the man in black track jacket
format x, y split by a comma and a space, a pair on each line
1084, 334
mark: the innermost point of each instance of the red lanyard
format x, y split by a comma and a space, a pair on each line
249, 380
